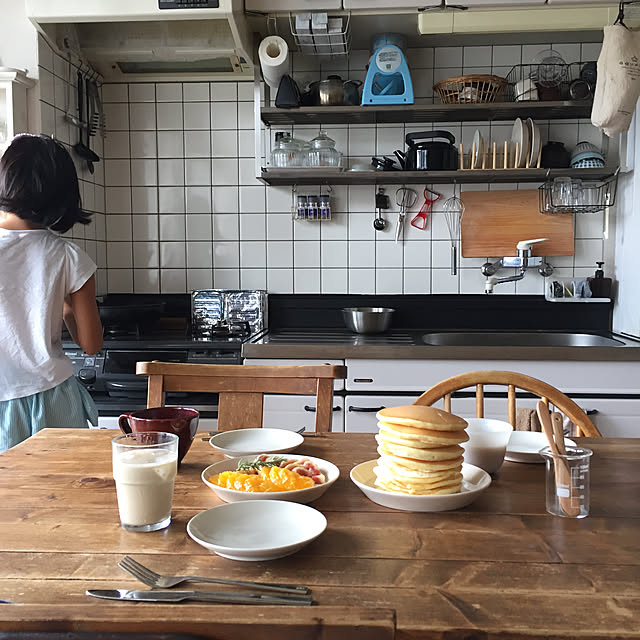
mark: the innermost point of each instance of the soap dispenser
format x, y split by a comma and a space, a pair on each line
600, 286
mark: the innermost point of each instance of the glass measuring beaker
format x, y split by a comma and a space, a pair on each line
567, 482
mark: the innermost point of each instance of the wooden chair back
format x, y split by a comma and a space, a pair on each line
241, 388
513, 381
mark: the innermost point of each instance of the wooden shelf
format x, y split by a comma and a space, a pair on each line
387, 114
317, 176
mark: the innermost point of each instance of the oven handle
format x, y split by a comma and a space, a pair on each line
313, 409
133, 385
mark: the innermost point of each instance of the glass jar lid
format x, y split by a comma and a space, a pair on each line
323, 141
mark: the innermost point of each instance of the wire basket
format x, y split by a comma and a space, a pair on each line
335, 40
571, 195
549, 82
474, 88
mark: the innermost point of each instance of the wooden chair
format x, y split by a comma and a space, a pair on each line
513, 381
241, 388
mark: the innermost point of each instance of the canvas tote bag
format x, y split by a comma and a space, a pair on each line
618, 84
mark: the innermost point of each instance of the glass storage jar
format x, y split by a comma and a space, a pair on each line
287, 152
323, 152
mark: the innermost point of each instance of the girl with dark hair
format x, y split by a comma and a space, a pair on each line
44, 279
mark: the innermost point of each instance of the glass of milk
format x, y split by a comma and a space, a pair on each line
144, 468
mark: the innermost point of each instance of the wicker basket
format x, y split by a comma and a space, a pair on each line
478, 89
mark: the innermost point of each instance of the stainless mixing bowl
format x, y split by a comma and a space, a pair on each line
367, 319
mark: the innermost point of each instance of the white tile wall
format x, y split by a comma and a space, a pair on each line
57, 97
182, 195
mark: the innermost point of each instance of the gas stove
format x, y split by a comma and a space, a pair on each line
150, 334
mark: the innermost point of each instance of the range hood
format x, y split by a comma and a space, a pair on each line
146, 40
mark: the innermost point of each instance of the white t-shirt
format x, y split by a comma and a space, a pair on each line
38, 269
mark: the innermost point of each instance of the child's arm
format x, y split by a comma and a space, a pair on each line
82, 318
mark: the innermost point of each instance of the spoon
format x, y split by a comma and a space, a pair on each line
563, 475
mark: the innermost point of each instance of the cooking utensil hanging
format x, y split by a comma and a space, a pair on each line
422, 219
405, 199
382, 202
82, 149
453, 211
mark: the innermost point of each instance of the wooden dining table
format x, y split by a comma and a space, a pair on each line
501, 567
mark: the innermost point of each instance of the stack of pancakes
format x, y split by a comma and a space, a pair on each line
420, 450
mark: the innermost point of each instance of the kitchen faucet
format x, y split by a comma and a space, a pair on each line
524, 259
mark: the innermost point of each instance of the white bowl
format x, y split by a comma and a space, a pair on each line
487, 443
474, 482
256, 529
253, 442
302, 496
524, 446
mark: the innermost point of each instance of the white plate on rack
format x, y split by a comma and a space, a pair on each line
535, 142
478, 141
520, 136
524, 446
256, 529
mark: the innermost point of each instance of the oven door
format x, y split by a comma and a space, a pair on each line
120, 389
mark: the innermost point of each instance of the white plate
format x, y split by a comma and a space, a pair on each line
476, 160
256, 529
520, 135
534, 132
524, 446
302, 496
253, 442
474, 482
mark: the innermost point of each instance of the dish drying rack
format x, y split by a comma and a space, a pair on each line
323, 39
602, 194
552, 80
505, 156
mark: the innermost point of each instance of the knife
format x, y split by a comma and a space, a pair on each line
205, 596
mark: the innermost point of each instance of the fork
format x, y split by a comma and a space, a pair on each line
153, 579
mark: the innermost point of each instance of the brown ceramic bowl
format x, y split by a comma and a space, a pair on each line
179, 420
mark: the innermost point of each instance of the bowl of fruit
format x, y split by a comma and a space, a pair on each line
291, 477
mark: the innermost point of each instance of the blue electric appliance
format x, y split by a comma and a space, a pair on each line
388, 79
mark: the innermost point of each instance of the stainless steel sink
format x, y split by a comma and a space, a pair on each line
517, 339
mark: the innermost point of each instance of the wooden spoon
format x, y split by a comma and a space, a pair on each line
563, 475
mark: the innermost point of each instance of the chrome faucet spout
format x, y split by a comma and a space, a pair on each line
524, 255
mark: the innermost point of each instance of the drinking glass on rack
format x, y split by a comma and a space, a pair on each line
562, 194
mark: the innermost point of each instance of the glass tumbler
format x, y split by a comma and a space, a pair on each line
144, 469
567, 482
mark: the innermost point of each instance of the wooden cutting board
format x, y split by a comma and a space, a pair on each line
495, 221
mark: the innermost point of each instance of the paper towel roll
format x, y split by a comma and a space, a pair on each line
274, 59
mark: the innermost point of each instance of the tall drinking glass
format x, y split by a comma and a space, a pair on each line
144, 468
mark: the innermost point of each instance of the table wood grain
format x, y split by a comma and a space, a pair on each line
500, 568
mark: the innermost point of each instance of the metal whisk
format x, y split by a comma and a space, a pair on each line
453, 211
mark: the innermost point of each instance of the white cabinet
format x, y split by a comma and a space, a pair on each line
569, 376
597, 384
13, 104
294, 412
389, 5
338, 385
292, 5
473, 4
360, 411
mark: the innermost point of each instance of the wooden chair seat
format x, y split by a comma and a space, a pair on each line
513, 381
241, 388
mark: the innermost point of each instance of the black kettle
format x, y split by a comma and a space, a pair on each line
426, 154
